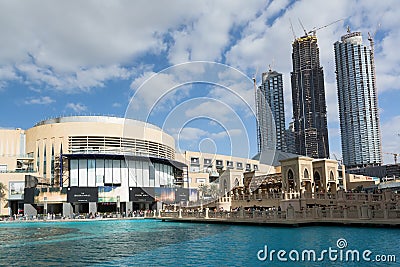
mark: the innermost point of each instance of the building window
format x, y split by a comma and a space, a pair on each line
229, 164
194, 161
44, 162
255, 167
219, 164
38, 160
3, 168
239, 165
52, 165
248, 167
201, 180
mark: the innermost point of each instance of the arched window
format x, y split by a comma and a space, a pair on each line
236, 182
331, 176
225, 187
306, 174
44, 162
291, 183
317, 177
52, 165
317, 182
38, 159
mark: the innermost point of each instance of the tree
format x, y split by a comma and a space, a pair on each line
3, 188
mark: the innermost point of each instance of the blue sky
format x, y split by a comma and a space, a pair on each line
67, 58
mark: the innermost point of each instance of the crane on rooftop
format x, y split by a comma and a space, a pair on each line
315, 29
395, 155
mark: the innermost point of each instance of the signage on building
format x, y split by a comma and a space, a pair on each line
139, 194
16, 190
82, 194
181, 195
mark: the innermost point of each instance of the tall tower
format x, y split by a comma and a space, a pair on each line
358, 104
308, 96
270, 94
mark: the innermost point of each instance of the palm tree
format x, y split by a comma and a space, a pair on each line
3, 188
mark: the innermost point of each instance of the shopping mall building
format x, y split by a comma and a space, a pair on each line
104, 164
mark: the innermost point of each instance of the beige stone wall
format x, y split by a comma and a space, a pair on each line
10, 147
303, 167
10, 142
187, 155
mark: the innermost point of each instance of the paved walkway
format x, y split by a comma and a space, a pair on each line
295, 222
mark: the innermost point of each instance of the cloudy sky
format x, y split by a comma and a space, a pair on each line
92, 57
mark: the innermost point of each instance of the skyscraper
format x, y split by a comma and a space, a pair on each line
270, 96
308, 96
358, 107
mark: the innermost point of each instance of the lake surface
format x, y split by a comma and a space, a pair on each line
156, 243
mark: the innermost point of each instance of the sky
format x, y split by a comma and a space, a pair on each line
185, 66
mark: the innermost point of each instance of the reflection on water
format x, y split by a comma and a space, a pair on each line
86, 243
155, 243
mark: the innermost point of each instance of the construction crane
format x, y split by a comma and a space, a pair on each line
313, 31
372, 53
291, 27
395, 155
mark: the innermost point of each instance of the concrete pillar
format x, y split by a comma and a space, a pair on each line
207, 213
45, 210
386, 212
30, 210
180, 213
129, 207
253, 214
290, 213
340, 195
67, 210
275, 214
344, 177
345, 212
154, 213
364, 212
241, 212
159, 213
76, 208
359, 211
92, 207
331, 212
315, 212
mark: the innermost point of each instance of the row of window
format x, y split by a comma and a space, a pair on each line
219, 164
100, 172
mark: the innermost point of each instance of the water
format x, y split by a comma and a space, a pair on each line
156, 243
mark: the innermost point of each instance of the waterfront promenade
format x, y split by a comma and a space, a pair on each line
312, 216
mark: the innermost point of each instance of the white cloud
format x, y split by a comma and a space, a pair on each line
189, 134
76, 107
390, 131
44, 100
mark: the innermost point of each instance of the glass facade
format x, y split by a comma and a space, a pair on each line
103, 172
358, 107
270, 96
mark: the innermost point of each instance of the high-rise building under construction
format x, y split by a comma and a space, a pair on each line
308, 96
358, 105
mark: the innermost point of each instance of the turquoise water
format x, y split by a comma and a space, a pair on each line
156, 243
